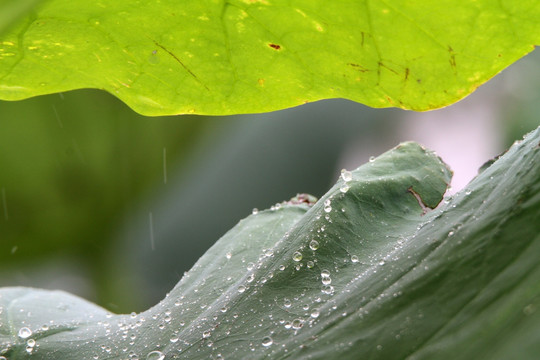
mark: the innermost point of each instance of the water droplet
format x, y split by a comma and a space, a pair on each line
287, 303
371, 158
310, 264
381, 262
241, 288
269, 252
297, 256
174, 339
327, 289
346, 175
24, 332
326, 280
281, 267
250, 266
297, 324
327, 206
155, 355
314, 245
354, 259
206, 334
315, 313
267, 341
228, 255
31, 343
325, 273
344, 188
255, 211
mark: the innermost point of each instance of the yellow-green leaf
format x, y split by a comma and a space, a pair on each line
243, 56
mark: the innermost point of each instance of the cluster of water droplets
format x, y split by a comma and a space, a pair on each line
25, 333
346, 176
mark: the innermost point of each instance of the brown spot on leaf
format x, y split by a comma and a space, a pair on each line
275, 46
452, 58
357, 67
381, 64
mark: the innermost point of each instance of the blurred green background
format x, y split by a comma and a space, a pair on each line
113, 206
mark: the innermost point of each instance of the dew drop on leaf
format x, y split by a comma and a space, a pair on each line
346, 175
325, 273
297, 324
327, 289
344, 188
327, 206
155, 355
314, 245
297, 256
267, 341
24, 332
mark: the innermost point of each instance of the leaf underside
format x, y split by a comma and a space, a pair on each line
365, 273
245, 56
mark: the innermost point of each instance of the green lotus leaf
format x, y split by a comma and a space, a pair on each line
369, 271
245, 56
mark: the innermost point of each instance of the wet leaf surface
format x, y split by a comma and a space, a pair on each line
365, 272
